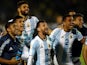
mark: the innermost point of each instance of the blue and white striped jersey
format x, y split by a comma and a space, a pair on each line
62, 43
27, 35
42, 48
29, 26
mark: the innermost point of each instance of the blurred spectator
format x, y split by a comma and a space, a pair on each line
77, 46
71, 12
58, 22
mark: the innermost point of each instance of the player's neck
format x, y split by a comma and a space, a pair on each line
65, 28
25, 17
42, 36
13, 36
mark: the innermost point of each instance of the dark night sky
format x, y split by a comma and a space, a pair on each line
43, 9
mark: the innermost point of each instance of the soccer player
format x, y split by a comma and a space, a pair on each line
41, 46
9, 44
29, 26
63, 38
77, 45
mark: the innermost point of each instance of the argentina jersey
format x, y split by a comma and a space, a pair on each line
27, 35
62, 43
42, 48
29, 26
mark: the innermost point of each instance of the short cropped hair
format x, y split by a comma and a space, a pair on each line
38, 24
65, 16
20, 3
12, 21
77, 15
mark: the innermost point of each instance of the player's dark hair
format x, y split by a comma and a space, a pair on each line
77, 15
12, 21
20, 3
65, 16
38, 24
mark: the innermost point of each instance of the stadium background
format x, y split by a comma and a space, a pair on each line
43, 9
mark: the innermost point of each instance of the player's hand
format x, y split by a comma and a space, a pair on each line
13, 61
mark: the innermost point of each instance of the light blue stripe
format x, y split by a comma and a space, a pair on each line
66, 46
3, 46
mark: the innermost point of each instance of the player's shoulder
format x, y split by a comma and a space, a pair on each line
34, 17
75, 31
5, 37
35, 40
56, 30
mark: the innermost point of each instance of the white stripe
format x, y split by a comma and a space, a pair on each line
3, 46
30, 59
55, 60
42, 52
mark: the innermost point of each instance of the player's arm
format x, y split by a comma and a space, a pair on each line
6, 61
83, 40
31, 52
80, 37
13, 61
84, 53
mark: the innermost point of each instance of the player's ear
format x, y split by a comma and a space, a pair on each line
8, 29
38, 29
18, 9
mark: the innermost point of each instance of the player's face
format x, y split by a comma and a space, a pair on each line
44, 28
19, 26
69, 22
24, 9
79, 21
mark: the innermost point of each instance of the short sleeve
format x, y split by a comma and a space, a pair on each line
79, 36
53, 37
36, 20
53, 34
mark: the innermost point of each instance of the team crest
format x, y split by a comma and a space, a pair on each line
49, 46
41, 46
62, 37
71, 36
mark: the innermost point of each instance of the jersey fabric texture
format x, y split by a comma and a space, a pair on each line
29, 26
42, 48
27, 35
62, 43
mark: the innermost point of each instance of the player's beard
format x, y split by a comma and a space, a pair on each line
24, 13
45, 33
